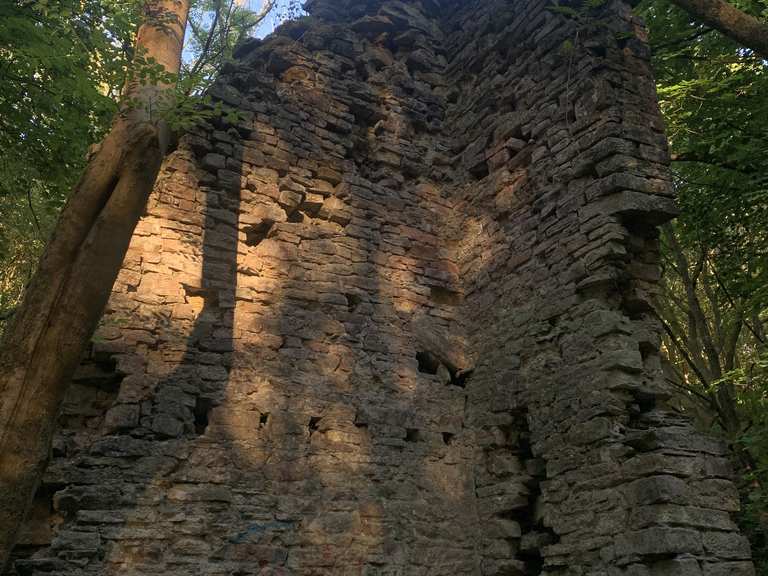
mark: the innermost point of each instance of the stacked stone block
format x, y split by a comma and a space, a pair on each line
395, 319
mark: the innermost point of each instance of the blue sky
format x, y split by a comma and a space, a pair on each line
267, 25
270, 22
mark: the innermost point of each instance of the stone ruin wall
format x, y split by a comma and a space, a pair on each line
395, 320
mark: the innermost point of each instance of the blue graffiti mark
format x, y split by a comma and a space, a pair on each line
260, 528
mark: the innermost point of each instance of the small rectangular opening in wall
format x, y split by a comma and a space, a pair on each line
258, 232
353, 301
199, 297
314, 423
444, 296
412, 435
99, 372
201, 412
598, 51
296, 217
531, 557
93, 391
480, 170
263, 419
448, 438
361, 420
427, 362
647, 350
460, 378
38, 528
643, 402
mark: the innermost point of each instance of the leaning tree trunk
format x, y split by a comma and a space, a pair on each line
45, 341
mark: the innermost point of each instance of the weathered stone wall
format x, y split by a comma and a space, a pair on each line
395, 320
559, 259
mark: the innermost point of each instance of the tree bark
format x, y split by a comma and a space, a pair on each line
745, 29
46, 339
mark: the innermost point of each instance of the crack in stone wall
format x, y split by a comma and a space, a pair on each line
396, 320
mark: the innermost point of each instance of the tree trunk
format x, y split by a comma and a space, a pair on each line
46, 339
745, 29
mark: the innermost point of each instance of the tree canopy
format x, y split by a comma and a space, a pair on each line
62, 65
714, 299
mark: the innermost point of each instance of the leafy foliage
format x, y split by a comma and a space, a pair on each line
751, 382
712, 94
61, 67
714, 303
217, 27
208, 46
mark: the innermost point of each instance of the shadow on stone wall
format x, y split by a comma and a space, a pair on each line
295, 432
283, 412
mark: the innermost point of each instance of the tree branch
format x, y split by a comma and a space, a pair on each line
756, 333
725, 165
741, 27
34, 214
202, 59
677, 41
684, 353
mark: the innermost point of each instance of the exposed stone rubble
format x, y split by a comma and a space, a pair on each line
395, 320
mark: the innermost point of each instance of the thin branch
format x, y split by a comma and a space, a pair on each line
34, 214
197, 32
698, 321
204, 52
715, 309
741, 27
684, 353
694, 158
731, 340
268, 7
703, 397
686, 40
731, 300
